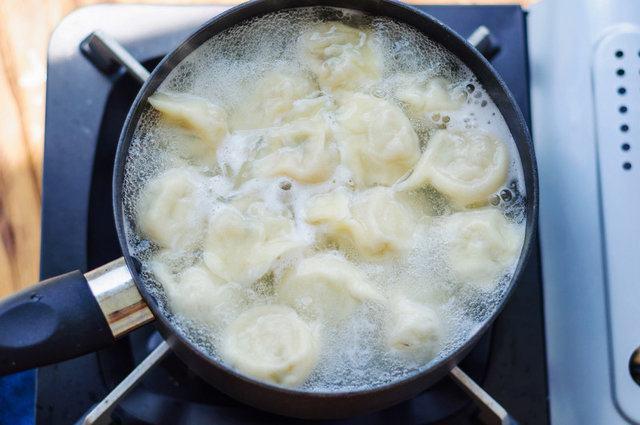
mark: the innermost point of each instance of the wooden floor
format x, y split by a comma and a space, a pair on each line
25, 26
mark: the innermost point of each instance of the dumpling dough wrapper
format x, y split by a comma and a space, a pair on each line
272, 343
374, 222
204, 124
341, 57
326, 287
481, 245
170, 211
467, 166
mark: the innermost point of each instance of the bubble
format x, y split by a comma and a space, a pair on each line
285, 185
506, 195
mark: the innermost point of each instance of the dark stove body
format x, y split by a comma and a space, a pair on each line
85, 112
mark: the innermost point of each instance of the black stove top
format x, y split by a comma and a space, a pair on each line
85, 112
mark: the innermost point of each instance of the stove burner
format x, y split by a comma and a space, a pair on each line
511, 357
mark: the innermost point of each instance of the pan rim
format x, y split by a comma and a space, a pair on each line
220, 23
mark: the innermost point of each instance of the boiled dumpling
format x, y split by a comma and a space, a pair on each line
273, 100
465, 166
169, 211
198, 295
303, 150
326, 286
204, 122
481, 246
375, 222
272, 343
386, 224
342, 57
377, 142
242, 246
433, 95
414, 328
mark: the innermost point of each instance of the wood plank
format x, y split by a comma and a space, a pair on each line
19, 195
25, 27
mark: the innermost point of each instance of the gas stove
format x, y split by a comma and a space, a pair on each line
585, 96
87, 102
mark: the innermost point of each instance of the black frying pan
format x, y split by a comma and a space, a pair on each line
73, 314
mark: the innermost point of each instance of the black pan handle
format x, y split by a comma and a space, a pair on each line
69, 315
55, 320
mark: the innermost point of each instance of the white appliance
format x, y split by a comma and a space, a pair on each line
585, 98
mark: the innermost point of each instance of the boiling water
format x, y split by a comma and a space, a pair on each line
226, 70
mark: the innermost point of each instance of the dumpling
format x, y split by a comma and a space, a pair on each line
377, 142
481, 245
303, 150
169, 210
433, 95
342, 57
272, 343
326, 286
198, 295
385, 223
375, 222
414, 328
204, 122
242, 246
467, 167
273, 100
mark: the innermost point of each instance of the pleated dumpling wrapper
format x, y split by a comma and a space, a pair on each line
303, 150
171, 209
414, 328
481, 246
377, 142
272, 343
341, 57
326, 287
198, 295
242, 246
467, 167
204, 124
374, 222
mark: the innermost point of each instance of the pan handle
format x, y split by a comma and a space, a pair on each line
68, 316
